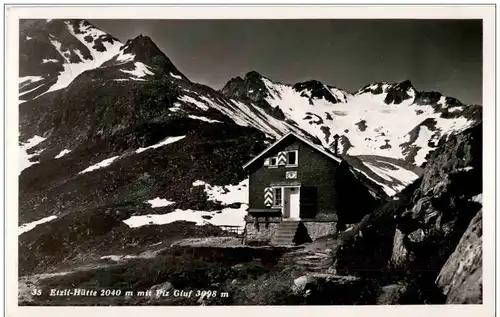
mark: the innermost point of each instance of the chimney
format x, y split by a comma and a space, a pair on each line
336, 144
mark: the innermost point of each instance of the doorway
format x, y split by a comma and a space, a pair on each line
291, 208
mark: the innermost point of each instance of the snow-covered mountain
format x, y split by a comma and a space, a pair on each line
55, 52
91, 102
390, 128
390, 120
385, 129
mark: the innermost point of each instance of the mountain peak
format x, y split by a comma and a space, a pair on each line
144, 50
253, 75
142, 47
396, 92
251, 86
314, 89
404, 85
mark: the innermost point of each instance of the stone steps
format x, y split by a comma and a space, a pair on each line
285, 233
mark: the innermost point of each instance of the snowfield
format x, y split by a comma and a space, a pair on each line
167, 141
50, 60
199, 104
24, 157
387, 126
391, 173
204, 119
29, 226
62, 153
72, 69
224, 217
175, 76
228, 194
141, 70
28, 80
99, 165
160, 202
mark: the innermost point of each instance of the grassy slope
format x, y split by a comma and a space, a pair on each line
90, 207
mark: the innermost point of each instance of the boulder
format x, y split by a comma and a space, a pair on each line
303, 283
416, 236
328, 289
400, 254
460, 279
391, 294
159, 289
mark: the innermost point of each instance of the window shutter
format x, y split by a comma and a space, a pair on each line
268, 196
308, 202
282, 158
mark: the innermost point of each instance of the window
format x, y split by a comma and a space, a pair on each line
273, 161
292, 158
277, 196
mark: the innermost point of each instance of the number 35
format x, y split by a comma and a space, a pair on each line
36, 292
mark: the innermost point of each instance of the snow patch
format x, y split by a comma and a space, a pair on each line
228, 194
379, 171
29, 226
224, 217
204, 119
140, 70
160, 202
386, 188
28, 91
175, 76
198, 183
62, 153
195, 102
125, 57
465, 169
50, 60
456, 109
99, 165
442, 101
167, 141
394, 174
24, 157
23, 81
424, 135
72, 70
117, 258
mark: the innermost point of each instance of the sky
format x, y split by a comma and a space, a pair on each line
435, 55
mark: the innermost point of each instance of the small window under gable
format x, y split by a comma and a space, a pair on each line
273, 161
292, 158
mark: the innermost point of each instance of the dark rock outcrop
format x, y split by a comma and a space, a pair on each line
314, 89
461, 276
391, 294
332, 289
396, 93
252, 89
413, 238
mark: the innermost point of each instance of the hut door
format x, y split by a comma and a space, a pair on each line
292, 203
